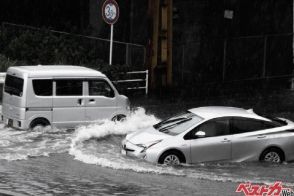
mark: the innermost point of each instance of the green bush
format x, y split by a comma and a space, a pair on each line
28, 47
6, 62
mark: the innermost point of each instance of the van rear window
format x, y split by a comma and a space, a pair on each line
43, 87
13, 85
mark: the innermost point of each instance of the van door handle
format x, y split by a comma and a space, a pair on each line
261, 136
80, 101
92, 100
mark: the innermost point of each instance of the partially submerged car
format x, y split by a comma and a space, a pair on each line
214, 134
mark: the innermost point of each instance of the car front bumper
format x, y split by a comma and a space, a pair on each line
132, 150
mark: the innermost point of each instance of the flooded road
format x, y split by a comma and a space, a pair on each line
87, 161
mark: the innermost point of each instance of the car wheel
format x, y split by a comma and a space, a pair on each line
171, 158
272, 155
119, 118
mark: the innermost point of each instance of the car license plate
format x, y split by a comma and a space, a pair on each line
124, 152
10, 123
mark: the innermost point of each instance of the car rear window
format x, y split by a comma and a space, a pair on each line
243, 125
13, 85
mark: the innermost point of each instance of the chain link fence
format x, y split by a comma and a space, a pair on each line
45, 46
252, 62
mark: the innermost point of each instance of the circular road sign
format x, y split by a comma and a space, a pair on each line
110, 11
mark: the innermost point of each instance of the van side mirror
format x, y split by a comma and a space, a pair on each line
111, 93
200, 134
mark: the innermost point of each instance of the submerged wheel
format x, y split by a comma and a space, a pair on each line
171, 158
39, 123
272, 155
119, 118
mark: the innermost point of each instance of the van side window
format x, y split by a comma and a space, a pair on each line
42, 87
69, 87
100, 88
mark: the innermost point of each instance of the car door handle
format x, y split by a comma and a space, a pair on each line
261, 136
92, 100
226, 140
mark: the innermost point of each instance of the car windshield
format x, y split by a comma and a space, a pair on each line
178, 124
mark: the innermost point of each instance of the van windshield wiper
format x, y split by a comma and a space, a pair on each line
165, 129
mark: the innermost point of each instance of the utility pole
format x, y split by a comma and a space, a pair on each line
161, 44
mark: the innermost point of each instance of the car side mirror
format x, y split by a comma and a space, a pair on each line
200, 134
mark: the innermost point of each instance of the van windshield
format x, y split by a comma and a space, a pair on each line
13, 85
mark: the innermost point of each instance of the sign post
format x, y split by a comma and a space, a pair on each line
110, 14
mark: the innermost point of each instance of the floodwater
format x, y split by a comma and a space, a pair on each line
87, 161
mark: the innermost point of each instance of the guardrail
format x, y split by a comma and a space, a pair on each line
3, 74
145, 80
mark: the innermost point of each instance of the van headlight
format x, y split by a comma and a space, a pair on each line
148, 145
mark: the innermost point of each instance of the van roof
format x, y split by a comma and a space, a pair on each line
55, 71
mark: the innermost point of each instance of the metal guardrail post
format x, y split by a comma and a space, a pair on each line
147, 76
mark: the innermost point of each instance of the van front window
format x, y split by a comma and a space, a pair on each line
13, 85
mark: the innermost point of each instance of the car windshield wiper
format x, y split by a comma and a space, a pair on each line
165, 129
162, 123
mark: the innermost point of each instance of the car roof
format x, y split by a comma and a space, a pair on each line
210, 112
55, 71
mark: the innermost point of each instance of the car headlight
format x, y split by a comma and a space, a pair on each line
148, 145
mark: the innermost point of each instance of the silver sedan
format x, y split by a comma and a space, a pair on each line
213, 134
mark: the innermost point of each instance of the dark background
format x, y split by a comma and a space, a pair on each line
254, 48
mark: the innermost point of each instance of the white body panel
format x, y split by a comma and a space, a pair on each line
232, 146
20, 110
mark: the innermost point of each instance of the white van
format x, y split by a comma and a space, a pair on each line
60, 96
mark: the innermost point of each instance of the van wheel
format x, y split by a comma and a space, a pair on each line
39, 123
119, 118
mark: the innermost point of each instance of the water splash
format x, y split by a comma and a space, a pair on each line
106, 153
99, 144
137, 121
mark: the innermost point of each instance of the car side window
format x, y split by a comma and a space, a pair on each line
100, 88
243, 125
211, 128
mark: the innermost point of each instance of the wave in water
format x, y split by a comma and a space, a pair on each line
100, 144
